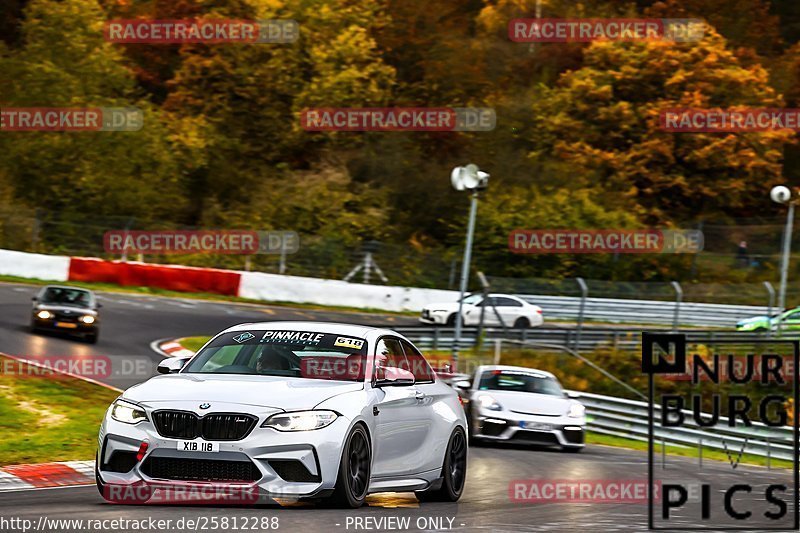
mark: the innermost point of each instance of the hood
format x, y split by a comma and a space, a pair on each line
531, 403
754, 320
288, 394
61, 308
445, 306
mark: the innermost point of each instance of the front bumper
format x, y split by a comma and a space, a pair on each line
434, 317
274, 464
65, 326
561, 431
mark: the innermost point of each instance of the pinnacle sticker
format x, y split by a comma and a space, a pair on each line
299, 337
244, 337
347, 342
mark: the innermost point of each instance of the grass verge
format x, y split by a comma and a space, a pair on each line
712, 455
47, 417
193, 343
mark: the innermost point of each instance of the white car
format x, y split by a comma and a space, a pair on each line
511, 403
513, 311
296, 410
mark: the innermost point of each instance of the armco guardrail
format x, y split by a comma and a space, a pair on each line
590, 338
628, 418
643, 311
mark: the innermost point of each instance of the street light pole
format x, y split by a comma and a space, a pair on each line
462, 288
787, 246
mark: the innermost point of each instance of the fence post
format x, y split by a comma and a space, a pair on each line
581, 310
497, 350
435, 338
770, 304
678, 299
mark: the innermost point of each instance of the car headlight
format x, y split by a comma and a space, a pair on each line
44, 315
488, 402
576, 410
87, 319
127, 412
300, 420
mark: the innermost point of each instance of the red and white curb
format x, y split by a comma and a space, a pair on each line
171, 348
46, 475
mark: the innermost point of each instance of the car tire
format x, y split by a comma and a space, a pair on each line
451, 321
522, 323
91, 338
355, 467
454, 471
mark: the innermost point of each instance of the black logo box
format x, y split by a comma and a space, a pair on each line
664, 342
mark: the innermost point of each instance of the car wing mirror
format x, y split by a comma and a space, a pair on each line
390, 376
462, 384
572, 394
171, 365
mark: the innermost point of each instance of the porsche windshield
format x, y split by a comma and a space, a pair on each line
520, 382
302, 354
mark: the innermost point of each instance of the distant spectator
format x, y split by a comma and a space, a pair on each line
741, 255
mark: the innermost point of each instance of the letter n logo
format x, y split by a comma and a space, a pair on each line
663, 353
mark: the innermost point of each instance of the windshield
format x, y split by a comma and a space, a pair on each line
473, 299
515, 381
66, 296
301, 354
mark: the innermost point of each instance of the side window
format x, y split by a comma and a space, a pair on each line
389, 353
418, 365
507, 302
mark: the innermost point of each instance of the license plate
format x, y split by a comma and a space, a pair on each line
537, 426
68, 325
197, 446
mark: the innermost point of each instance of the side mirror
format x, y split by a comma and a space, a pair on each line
35, 299
171, 365
389, 376
99, 305
572, 394
462, 384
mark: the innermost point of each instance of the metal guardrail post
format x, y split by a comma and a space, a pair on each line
581, 311
435, 339
678, 299
771, 304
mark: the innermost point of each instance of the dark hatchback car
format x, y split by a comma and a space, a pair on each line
68, 310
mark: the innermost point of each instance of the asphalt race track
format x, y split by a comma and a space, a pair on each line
130, 323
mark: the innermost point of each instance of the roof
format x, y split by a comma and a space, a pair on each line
514, 368
351, 330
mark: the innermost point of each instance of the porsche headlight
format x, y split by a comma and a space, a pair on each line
576, 410
127, 412
488, 402
87, 319
44, 315
300, 420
